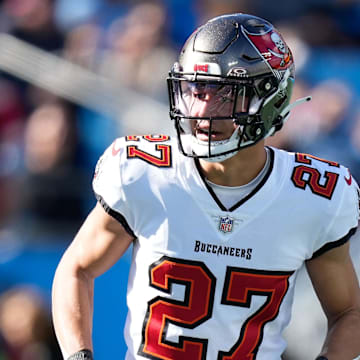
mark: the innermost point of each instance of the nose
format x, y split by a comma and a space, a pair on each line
201, 108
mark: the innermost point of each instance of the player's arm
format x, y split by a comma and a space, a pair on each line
337, 287
100, 242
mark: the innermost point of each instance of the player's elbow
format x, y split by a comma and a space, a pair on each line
70, 269
350, 316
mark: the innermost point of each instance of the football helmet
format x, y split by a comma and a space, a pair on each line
239, 67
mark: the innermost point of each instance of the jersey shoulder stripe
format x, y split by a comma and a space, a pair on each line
116, 215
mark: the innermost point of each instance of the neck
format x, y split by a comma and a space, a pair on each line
238, 170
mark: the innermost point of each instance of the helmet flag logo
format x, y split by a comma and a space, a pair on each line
273, 48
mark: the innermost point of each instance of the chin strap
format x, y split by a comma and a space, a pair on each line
286, 111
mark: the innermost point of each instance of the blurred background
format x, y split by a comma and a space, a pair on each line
76, 74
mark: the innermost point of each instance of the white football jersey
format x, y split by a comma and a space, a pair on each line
210, 283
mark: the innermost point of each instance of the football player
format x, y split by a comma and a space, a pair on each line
220, 224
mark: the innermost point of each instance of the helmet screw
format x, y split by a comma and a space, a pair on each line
267, 86
258, 131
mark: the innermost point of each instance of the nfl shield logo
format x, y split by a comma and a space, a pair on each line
226, 224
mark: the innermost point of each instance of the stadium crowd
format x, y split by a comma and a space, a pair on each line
115, 52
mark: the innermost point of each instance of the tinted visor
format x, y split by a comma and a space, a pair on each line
210, 99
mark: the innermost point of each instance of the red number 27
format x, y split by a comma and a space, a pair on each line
197, 306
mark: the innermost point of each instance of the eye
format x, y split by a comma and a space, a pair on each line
200, 96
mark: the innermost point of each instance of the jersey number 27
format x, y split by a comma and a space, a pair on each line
197, 307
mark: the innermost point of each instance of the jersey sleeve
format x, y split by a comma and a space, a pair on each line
108, 187
344, 220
